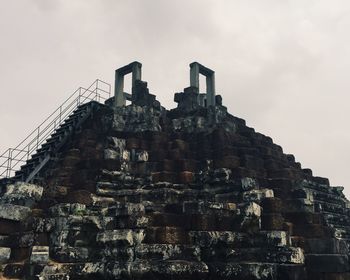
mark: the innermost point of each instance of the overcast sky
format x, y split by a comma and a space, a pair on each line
281, 65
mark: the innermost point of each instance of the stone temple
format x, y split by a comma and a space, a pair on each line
115, 191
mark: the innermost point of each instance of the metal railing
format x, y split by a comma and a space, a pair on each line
12, 159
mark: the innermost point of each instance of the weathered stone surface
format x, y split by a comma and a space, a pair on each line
124, 237
22, 194
14, 212
40, 254
66, 209
327, 262
4, 254
257, 195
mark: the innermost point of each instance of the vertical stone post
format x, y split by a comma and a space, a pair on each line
136, 72
119, 96
194, 75
211, 89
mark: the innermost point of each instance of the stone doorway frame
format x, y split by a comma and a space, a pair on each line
196, 69
120, 96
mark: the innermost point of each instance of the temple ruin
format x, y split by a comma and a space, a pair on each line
106, 190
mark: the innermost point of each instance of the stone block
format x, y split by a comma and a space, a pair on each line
81, 197
203, 222
14, 271
286, 255
168, 165
142, 156
157, 155
111, 164
24, 194
170, 219
326, 246
166, 235
250, 209
9, 226
186, 165
186, 177
40, 255
5, 254
313, 231
176, 154
272, 205
66, 209
249, 184
292, 272
26, 239
164, 177
67, 254
252, 162
273, 221
14, 212
290, 173
222, 151
125, 209
111, 154
327, 263
56, 191
8, 241
167, 252
257, 195
113, 254
303, 218
214, 238
169, 269
71, 160
210, 208
227, 162
180, 144
20, 254
242, 271
273, 238
132, 143
121, 237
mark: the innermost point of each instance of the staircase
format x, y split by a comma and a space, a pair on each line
27, 159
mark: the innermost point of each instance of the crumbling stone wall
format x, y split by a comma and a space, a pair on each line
192, 193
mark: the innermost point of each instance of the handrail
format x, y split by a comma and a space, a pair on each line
98, 91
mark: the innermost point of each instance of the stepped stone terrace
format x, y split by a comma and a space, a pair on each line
137, 191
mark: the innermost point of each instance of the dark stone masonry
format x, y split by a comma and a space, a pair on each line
141, 192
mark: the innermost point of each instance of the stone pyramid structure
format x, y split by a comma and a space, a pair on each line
140, 192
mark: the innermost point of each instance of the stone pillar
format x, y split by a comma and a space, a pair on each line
136, 72
194, 75
211, 89
120, 96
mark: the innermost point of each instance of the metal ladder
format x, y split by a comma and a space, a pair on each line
50, 135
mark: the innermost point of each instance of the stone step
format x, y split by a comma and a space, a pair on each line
255, 271
285, 255
320, 188
167, 252
262, 239
325, 246
336, 219
330, 207
14, 271
330, 198
327, 262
